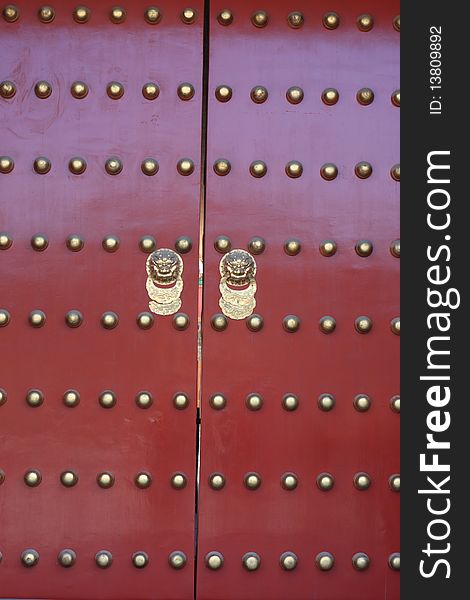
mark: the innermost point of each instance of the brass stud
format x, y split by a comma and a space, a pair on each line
105, 479
39, 242
103, 559
360, 561
324, 561
364, 248
214, 560
295, 19
143, 480
395, 172
145, 320
223, 93
115, 90
46, 14
252, 480
363, 324
396, 23
7, 164
365, 96
288, 561
110, 243
180, 401
177, 559
5, 241
74, 318
7, 89
325, 482
34, 398
66, 558
188, 16
144, 400
291, 323
107, 399
140, 560
223, 244
363, 170
295, 94
255, 322
10, 13
222, 167
77, 165
32, 478
81, 14
181, 321
3, 396
150, 91
29, 558
362, 402
42, 165
183, 244
178, 481
113, 166
290, 402
216, 481
394, 482
4, 317
218, 401
147, 244
149, 166
74, 243
71, 398
395, 98
185, 166
259, 94
331, 20
328, 248
361, 481
219, 322
251, 561
256, 245
260, 18
153, 15
365, 22
326, 402
329, 171
225, 17
43, 89
327, 324
330, 96
292, 247
68, 478
395, 404
289, 481
254, 402
395, 325
394, 561
109, 320
294, 169
117, 15
186, 91
37, 318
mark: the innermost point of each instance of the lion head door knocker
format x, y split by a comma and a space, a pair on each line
164, 282
237, 284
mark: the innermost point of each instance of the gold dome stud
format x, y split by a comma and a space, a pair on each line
395, 172
216, 481
223, 93
73, 318
42, 165
291, 323
327, 324
140, 560
328, 248
183, 244
329, 171
153, 15
6, 241
360, 561
7, 89
105, 479
288, 561
103, 559
37, 318
110, 243
185, 166
150, 91
77, 165
214, 560
260, 18
294, 169
252, 480
255, 323
330, 20
395, 325
259, 94
177, 559
10, 13
394, 482
66, 558
256, 245
185, 91
254, 402
113, 166
365, 22
181, 321
326, 402
46, 14
68, 478
107, 399
145, 320
290, 402
81, 14
43, 89
34, 398
362, 402
219, 322
178, 481
109, 320
394, 561
29, 558
395, 404
295, 19
144, 399
3, 397
39, 242
117, 15
143, 480
115, 90
324, 561
147, 244
395, 98
364, 248
149, 166
188, 16
180, 401
292, 247
225, 17
396, 23
223, 244
4, 317
363, 324
7, 164
365, 96
330, 96
218, 401
71, 398
32, 478
222, 167
251, 561
362, 481
363, 170
289, 481
325, 482
295, 95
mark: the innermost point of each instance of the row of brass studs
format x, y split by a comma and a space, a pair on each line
82, 14
288, 561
